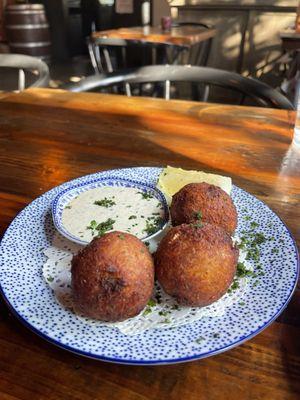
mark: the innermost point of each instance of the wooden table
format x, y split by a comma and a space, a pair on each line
48, 137
168, 44
290, 40
179, 36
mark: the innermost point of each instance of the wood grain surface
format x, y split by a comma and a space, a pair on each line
48, 137
181, 36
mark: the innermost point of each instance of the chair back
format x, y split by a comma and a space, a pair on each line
263, 94
39, 72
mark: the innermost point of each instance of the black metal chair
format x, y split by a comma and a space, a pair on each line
258, 91
35, 70
199, 54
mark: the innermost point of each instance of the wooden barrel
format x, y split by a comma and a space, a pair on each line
27, 30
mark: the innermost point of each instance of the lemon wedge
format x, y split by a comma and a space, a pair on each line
171, 180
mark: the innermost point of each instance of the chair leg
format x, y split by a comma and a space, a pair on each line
167, 90
154, 55
92, 57
200, 54
205, 93
128, 89
203, 53
195, 92
207, 51
98, 59
124, 56
107, 60
21, 82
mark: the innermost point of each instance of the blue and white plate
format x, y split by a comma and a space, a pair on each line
68, 194
33, 302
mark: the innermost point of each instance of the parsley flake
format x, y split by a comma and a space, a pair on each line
105, 203
146, 195
198, 215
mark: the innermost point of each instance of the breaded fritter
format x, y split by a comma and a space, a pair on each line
112, 277
208, 203
196, 263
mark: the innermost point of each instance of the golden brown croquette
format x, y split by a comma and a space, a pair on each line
112, 277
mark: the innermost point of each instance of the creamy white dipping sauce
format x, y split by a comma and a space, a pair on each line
107, 208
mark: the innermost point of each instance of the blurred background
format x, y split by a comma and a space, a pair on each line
248, 38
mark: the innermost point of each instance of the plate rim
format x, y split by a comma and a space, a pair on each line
116, 360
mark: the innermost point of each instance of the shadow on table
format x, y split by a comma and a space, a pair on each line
74, 137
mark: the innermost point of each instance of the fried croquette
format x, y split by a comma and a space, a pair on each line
112, 277
196, 263
204, 202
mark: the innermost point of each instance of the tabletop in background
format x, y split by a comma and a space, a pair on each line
180, 36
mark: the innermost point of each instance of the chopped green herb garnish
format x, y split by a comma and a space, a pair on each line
50, 279
198, 225
132, 217
235, 285
198, 215
105, 203
163, 313
253, 254
254, 225
199, 340
146, 196
242, 303
166, 321
121, 236
68, 207
103, 227
175, 307
147, 244
259, 238
275, 250
93, 225
151, 303
152, 227
147, 311
250, 242
242, 271
216, 335
247, 218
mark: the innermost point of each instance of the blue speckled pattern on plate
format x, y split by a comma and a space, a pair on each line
31, 299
